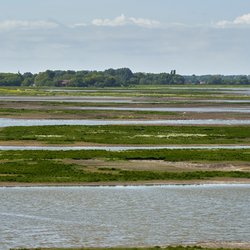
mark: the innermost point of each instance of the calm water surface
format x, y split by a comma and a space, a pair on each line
6, 122
123, 216
82, 99
230, 90
172, 109
119, 148
109, 99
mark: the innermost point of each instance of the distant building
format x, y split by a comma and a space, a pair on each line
64, 83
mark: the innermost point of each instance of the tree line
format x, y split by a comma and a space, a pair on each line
218, 79
111, 78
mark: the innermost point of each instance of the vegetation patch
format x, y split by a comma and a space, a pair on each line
133, 134
48, 167
94, 114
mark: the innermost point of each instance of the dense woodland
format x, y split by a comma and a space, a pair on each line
112, 78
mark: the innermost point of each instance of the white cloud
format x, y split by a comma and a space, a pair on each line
118, 21
145, 22
123, 20
241, 20
245, 19
22, 24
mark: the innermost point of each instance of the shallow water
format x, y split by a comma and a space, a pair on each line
221, 101
82, 99
6, 122
118, 148
123, 216
172, 109
235, 90
203, 88
113, 99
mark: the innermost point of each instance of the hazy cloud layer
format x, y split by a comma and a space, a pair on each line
23, 24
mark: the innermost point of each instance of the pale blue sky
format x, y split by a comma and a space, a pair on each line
192, 36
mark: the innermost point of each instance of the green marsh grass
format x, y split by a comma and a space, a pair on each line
49, 167
133, 134
193, 91
112, 114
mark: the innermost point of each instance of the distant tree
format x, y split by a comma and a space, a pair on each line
243, 80
124, 74
177, 79
28, 81
193, 80
110, 82
215, 79
45, 78
111, 72
27, 75
10, 79
77, 82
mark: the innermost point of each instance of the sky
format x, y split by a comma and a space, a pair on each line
190, 36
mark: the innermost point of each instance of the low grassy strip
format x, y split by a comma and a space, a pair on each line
107, 91
130, 134
95, 114
125, 92
174, 155
48, 167
51, 172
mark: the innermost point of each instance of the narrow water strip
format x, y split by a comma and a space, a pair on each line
120, 148
7, 122
171, 109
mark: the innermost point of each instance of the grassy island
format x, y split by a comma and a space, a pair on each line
135, 165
